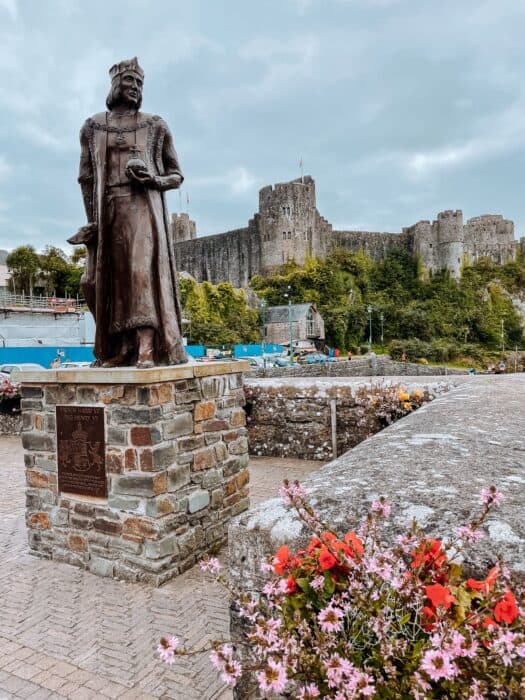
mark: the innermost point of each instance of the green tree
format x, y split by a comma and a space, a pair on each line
24, 264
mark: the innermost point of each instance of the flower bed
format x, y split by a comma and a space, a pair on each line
350, 617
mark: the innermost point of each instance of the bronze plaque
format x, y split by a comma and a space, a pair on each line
81, 450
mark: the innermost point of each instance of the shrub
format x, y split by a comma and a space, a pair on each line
364, 349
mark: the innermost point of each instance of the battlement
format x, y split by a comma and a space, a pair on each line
450, 214
183, 228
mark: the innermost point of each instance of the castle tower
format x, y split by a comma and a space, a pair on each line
287, 216
420, 242
182, 228
450, 243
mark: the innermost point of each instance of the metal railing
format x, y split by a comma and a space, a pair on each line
25, 301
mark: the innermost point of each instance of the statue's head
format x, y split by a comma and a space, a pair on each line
127, 80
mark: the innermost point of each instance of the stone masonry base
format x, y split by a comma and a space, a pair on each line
176, 457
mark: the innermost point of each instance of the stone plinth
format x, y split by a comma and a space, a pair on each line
176, 462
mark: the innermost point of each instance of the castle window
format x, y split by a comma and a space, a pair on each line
304, 235
288, 210
284, 235
430, 245
289, 235
284, 210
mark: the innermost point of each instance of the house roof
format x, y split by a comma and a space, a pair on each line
279, 314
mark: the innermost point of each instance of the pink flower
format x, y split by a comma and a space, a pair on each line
309, 692
273, 678
475, 691
291, 493
437, 664
317, 583
504, 645
491, 496
382, 508
212, 565
167, 648
467, 534
330, 619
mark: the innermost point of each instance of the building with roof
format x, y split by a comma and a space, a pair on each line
307, 325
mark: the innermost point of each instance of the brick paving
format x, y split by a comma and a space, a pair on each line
65, 633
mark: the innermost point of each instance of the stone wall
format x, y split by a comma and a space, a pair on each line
375, 366
319, 418
226, 257
176, 465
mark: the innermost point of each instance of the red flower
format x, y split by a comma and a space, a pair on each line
506, 610
440, 595
326, 559
282, 557
291, 586
428, 612
488, 622
429, 553
315, 543
487, 584
328, 536
355, 544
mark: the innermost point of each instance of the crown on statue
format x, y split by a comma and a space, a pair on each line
131, 65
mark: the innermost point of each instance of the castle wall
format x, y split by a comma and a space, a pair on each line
374, 244
226, 257
289, 227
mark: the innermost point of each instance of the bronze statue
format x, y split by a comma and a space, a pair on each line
127, 162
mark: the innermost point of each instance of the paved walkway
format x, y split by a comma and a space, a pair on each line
65, 633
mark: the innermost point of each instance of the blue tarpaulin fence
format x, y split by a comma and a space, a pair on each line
45, 354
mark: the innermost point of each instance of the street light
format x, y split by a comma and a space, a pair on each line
382, 319
264, 304
502, 335
369, 309
288, 295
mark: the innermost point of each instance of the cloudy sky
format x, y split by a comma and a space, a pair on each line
399, 108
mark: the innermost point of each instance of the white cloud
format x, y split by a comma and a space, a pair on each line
238, 180
5, 168
43, 138
11, 7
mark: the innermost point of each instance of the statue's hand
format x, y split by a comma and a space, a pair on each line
144, 177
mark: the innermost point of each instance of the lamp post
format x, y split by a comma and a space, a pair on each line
369, 309
382, 319
264, 304
502, 335
289, 296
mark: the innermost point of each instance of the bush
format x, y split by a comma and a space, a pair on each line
363, 349
414, 349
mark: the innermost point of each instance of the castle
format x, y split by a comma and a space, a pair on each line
288, 226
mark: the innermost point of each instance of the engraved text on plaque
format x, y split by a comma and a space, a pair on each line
81, 450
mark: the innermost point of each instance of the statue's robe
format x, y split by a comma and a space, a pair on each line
109, 269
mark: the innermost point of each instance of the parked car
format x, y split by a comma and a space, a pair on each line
5, 370
316, 358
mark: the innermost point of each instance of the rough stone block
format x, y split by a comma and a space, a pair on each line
178, 476
164, 456
109, 527
180, 424
139, 484
204, 458
204, 410
139, 416
198, 500
141, 527
101, 567
161, 548
126, 503
38, 441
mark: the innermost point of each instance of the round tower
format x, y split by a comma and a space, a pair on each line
450, 241
287, 222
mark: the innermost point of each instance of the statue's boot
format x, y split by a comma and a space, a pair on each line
145, 338
121, 357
